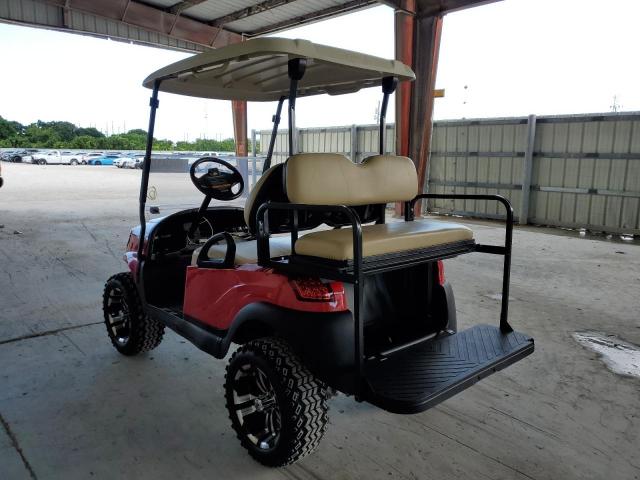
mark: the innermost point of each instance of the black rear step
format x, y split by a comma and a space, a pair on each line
419, 377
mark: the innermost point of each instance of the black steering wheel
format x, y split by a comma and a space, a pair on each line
215, 182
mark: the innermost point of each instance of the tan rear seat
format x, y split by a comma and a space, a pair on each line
332, 179
382, 239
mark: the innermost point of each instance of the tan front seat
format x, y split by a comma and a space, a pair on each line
247, 252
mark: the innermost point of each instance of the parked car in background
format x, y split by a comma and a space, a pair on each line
6, 155
56, 157
106, 159
119, 161
88, 156
133, 161
24, 155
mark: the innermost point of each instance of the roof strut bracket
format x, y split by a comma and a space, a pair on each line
274, 133
296, 68
389, 85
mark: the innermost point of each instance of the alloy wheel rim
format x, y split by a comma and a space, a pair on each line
256, 408
118, 316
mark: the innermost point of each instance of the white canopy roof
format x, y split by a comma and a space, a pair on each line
256, 70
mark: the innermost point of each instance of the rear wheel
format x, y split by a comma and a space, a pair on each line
98, 163
130, 329
73, 162
278, 409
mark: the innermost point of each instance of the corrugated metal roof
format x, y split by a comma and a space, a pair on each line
302, 10
195, 25
210, 10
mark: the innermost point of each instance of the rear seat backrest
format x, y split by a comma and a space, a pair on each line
333, 179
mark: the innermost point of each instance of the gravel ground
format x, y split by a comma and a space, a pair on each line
72, 408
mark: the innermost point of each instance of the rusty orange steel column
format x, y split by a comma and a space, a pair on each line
239, 110
428, 31
404, 38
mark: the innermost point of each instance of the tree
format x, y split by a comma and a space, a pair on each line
9, 129
84, 142
90, 132
65, 131
61, 135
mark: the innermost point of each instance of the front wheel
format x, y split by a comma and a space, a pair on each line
73, 162
277, 408
42, 162
130, 329
98, 163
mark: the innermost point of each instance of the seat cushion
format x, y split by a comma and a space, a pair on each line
382, 239
270, 187
247, 252
333, 179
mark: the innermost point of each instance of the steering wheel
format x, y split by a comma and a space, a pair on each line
216, 183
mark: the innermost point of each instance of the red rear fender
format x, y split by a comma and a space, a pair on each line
215, 296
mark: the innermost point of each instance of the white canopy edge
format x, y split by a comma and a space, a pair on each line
256, 70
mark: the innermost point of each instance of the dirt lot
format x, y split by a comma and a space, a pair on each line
72, 408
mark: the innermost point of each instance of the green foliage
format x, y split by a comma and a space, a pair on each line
90, 132
62, 135
207, 145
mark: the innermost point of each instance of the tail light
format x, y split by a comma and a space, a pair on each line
314, 290
441, 279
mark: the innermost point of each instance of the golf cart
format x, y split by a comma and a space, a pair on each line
321, 292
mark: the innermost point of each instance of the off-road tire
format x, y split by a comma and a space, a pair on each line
144, 332
301, 399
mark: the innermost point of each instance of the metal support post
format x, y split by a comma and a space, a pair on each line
354, 143
527, 170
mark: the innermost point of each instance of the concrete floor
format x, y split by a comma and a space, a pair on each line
72, 408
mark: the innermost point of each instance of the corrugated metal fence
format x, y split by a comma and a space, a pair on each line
331, 139
577, 171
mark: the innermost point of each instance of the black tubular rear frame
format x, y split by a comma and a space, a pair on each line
357, 273
264, 259
497, 250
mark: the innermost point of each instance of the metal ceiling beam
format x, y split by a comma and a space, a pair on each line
142, 15
248, 12
314, 16
427, 8
180, 6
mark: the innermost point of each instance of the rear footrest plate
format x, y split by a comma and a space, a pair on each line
420, 377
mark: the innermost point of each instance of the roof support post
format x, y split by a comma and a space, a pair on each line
417, 44
274, 134
239, 109
404, 27
296, 68
389, 85
239, 112
428, 32
146, 169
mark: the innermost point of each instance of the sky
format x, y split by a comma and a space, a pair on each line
511, 58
